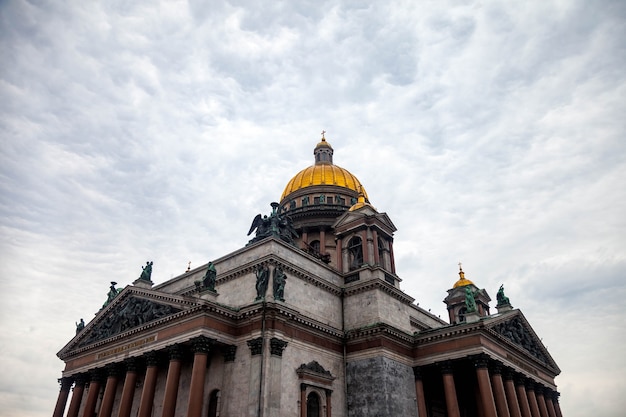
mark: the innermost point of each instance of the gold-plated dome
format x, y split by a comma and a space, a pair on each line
323, 174
462, 282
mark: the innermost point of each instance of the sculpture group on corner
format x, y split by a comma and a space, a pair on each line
278, 224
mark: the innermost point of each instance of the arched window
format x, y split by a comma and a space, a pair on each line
214, 400
462, 312
355, 250
313, 405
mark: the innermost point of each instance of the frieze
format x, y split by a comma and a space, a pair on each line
516, 332
134, 312
128, 346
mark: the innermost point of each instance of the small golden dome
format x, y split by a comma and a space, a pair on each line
462, 282
361, 202
323, 174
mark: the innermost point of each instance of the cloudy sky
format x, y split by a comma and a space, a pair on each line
492, 133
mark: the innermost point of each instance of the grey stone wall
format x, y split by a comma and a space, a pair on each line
380, 387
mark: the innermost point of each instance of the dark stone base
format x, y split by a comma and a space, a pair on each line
380, 387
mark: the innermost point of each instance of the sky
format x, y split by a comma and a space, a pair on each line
492, 133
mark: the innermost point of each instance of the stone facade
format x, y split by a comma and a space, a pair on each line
336, 336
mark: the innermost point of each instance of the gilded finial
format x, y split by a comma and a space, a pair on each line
323, 138
461, 273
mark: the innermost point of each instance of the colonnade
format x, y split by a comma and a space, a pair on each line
502, 392
126, 372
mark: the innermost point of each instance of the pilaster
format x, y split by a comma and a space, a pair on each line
275, 386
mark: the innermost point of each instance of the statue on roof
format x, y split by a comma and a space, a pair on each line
113, 292
209, 278
80, 326
278, 224
502, 299
470, 302
146, 272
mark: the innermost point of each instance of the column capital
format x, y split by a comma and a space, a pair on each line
555, 396
256, 346
303, 386
480, 360
496, 367
530, 385
539, 388
174, 351
508, 373
202, 344
417, 372
520, 380
130, 364
65, 382
446, 367
277, 346
95, 375
151, 358
112, 370
328, 392
229, 353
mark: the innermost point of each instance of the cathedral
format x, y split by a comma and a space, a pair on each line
307, 320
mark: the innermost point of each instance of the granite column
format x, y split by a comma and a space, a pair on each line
172, 381
149, 385
64, 393
128, 390
452, 404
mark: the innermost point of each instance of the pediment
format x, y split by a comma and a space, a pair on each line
516, 329
132, 309
351, 218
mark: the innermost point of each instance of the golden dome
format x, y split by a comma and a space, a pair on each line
462, 282
323, 174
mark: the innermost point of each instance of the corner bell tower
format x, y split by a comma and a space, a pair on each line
465, 301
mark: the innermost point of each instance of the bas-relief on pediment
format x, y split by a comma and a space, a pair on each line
131, 313
517, 331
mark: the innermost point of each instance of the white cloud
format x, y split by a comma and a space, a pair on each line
491, 135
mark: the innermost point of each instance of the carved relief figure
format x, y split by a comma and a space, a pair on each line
262, 278
280, 280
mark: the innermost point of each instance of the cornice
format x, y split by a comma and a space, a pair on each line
378, 284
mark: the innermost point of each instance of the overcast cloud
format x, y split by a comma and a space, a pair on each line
492, 133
